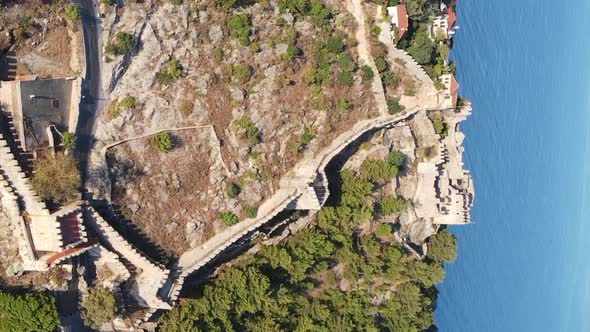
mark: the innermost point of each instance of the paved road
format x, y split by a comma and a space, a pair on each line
92, 96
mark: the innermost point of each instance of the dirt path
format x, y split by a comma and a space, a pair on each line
355, 7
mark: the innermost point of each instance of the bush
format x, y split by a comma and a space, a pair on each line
442, 247
162, 141
176, 2
128, 102
391, 205
308, 135
29, 312
345, 78
292, 52
226, 4
217, 55
390, 79
100, 306
241, 73
123, 42
72, 13
108, 2
334, 45
345, 62
172, 73
239, 25
57, 179
233, 190
367, 73
381, 64
344, 104
378, 169
229, 218
396, 158
68, 140
251, 212
253, 135
393, 105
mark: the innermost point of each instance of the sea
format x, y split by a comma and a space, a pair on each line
524, 263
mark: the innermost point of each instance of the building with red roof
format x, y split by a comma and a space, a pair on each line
450, 91
400, 21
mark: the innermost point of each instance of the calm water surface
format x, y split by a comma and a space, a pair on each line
524, 265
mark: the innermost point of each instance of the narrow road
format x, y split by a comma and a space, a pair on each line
93, 99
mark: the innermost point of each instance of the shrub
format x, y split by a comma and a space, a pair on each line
390, 79
367, 73
57, 179
344, 104
334, 45
292, 52
176, 2
251, 212
123, 42
100, 306
308, 135
72, 13
442, 247
232, 189
241, 73
239, 26
345, 78
381, 64
128, 102
31, 311
393, 105
173, 72
162, 141
378, 169
108, 2
396, 158
217, 55
391, 205
229, 218
383, 229
226, 4
345, 62
253, 135
68, 140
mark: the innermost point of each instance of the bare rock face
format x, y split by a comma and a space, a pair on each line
216, 34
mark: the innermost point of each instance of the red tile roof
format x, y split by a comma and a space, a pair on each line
403, 20
70, 229
452, 19
69, 252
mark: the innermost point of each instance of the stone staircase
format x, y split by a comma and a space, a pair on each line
17, 180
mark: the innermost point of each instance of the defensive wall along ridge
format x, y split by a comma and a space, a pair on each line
304, 188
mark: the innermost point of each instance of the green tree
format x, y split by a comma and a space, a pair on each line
162, 141
100, 306
29, 312
57, 179
391, 205
383, 229
442, 247
422, 49
172, 72
229, 218
68, 140
440, 127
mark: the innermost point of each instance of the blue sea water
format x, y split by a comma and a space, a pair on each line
524, 265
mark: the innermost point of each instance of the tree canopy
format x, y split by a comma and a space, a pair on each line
100, 306
57, 179
324, 278
30, 312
